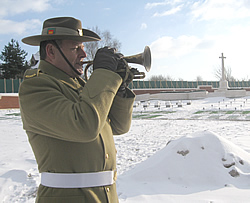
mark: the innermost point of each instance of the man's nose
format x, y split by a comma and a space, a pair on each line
82, 53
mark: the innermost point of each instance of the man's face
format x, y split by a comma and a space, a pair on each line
74, 52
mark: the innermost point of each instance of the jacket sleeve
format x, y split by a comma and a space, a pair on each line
121, 113
45, 110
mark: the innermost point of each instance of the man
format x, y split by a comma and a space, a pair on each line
70, 124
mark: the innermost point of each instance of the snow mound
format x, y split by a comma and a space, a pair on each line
200, 159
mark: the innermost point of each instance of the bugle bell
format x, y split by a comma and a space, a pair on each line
143, 58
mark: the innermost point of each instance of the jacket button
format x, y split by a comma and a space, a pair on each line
115, 175
108, 189
107, 156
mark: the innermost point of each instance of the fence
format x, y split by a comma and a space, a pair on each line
184, 84
12, 85
9, 85
171, 84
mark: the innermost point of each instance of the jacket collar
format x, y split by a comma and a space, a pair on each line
51, 70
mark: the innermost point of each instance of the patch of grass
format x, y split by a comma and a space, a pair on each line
214, 112
153, 116
232, 117
139, 116
214, 117
199, 112
157, 112
229, 112
167, 112
245, 112
5, 118
153, 112
145, 116
12, 114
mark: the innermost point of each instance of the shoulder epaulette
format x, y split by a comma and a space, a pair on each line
32, 73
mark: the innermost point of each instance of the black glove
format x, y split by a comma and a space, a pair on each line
106, 58
127, 76
122, 89
122, 69
130, 77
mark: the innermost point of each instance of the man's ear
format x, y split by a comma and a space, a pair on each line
50, 51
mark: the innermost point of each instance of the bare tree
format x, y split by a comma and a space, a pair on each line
228, 73
107, 40
160, 78
92, 47
199, 78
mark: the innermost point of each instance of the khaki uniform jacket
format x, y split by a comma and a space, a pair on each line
70, 125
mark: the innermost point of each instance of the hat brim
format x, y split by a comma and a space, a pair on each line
37, 39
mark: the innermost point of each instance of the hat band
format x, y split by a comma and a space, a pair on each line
61, 31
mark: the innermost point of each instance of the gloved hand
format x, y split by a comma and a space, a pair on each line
122, 89
127, 76
130, 77
122, 69
106, 58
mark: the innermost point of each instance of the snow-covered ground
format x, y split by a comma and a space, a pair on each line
192, 151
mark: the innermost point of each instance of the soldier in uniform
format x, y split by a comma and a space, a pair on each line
70, 123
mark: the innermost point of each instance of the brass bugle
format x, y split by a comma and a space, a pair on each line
143, 59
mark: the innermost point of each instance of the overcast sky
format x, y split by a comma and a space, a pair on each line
186, 37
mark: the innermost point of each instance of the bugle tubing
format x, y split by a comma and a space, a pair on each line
143, 59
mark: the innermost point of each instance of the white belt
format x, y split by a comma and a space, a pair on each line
78, 180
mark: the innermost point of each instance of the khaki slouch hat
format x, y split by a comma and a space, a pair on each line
62, 28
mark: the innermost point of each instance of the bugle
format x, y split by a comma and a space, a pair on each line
143, 59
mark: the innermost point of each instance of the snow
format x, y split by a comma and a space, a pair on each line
198, 162
9, 94
197, 152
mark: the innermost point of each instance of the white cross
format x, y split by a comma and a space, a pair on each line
223, 76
